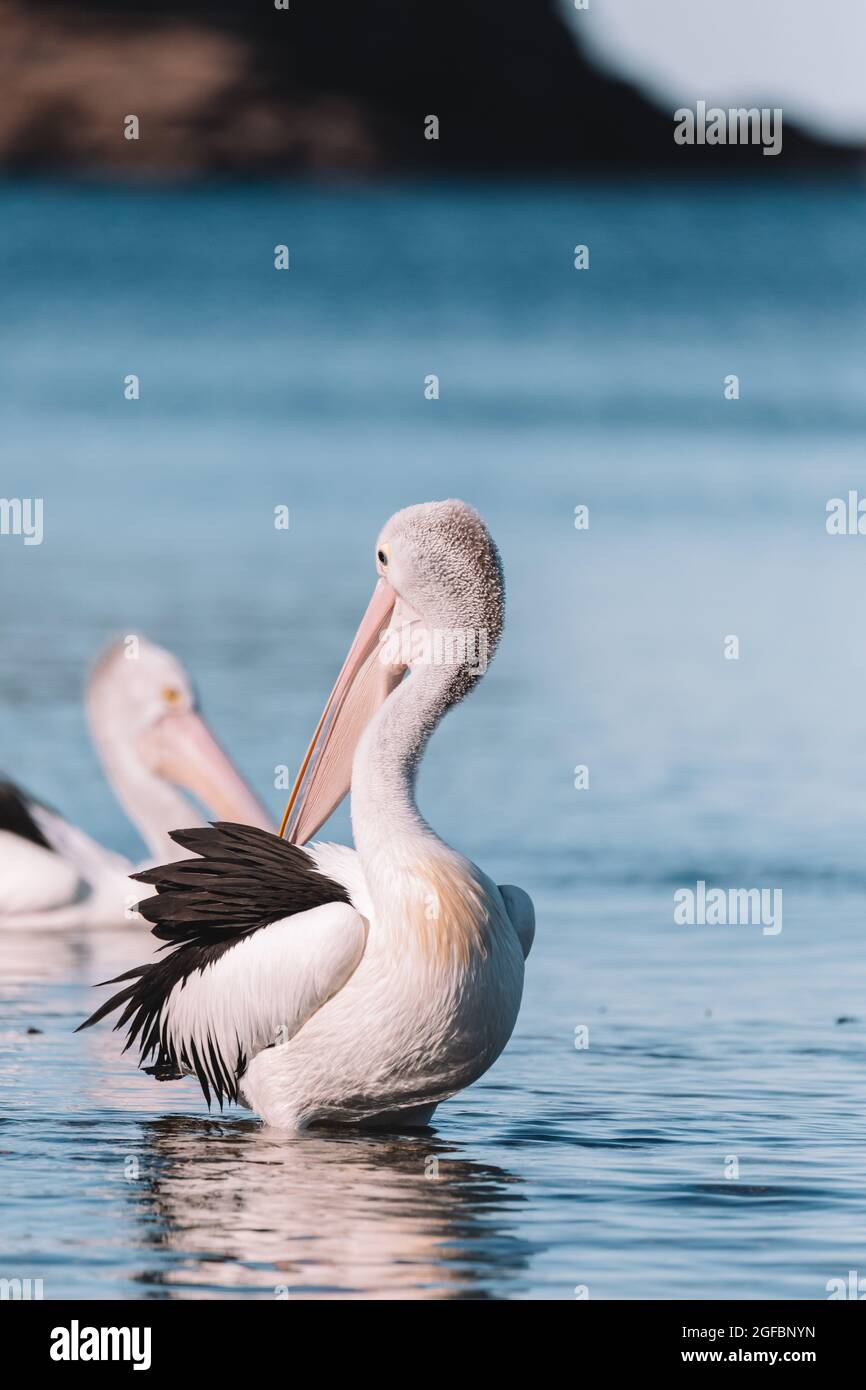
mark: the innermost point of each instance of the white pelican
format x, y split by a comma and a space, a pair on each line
330, 984
151, 739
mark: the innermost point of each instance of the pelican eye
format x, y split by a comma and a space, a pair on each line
382, 557
171, 695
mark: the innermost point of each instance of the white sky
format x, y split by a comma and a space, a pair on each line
807, 56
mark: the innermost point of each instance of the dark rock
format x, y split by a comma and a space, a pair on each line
333, 86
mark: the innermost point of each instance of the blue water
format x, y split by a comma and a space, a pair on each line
605, 1168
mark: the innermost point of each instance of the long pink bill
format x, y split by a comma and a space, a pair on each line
182, 749
363, 685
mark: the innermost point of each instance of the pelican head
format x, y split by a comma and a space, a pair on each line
147, 729
437, 612
439, 562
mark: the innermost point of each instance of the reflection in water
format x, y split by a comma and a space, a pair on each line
331, 1214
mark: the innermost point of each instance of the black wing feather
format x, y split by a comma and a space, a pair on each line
15, 814
242, 880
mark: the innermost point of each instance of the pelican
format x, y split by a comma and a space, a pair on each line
324, 984
151, 740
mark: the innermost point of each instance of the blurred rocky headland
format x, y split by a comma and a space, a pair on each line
333, 86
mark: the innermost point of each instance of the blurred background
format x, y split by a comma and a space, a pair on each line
604, 387
528, 86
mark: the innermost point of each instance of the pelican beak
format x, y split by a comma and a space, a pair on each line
364, 683
182, 749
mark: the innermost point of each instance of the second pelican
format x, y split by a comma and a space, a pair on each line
151, 740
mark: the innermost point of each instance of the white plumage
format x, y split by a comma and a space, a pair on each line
374, 1006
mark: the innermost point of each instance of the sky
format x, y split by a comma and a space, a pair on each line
807, 56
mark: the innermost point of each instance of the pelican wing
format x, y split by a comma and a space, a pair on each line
35, 877
34, 880
16, 814
260, 939
51, 873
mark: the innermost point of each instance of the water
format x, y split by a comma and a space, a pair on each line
603, 1167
